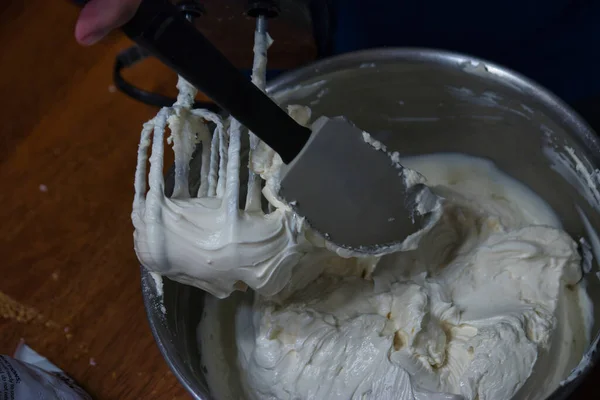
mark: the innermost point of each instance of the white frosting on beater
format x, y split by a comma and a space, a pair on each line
488, 301
204, 239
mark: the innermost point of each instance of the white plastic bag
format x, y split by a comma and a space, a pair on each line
29, 376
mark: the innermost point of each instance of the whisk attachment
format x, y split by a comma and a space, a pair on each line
203, 238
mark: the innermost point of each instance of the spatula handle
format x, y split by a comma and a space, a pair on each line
159, 27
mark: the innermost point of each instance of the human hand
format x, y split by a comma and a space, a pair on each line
99, 17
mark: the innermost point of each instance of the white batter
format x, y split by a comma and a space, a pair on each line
485, 306
487, 302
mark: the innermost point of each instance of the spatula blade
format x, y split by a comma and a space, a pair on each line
349, 191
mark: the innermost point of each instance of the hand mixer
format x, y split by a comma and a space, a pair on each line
345, 184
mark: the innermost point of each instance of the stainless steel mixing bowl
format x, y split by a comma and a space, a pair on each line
416, 101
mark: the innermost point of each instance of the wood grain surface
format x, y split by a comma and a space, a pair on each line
69, 279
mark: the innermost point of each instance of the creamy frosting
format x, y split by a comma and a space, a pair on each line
484, 304
488, 302
204, 239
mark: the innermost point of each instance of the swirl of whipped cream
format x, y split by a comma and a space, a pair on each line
489, 296
204, 239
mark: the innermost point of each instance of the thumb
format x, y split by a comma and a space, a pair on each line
99, 17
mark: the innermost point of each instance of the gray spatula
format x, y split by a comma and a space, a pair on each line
346, 189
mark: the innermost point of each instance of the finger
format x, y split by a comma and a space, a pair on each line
99, 17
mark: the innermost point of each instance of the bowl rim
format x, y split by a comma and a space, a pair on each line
460, 61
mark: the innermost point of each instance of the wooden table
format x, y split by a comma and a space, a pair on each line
69, 279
